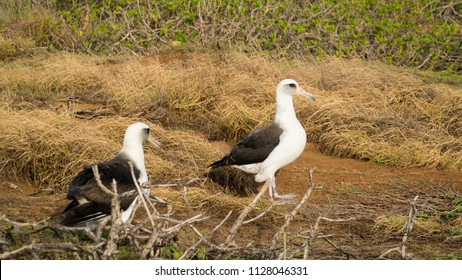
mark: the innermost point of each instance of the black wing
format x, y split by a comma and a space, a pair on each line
76, 213
254, 148
89, 201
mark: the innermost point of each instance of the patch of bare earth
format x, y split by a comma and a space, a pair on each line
373, 199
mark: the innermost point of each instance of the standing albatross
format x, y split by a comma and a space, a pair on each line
88, 202
265, 150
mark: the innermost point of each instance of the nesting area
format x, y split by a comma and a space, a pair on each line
379, 136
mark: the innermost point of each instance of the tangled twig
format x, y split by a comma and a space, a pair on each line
294, 212
232, 232
409, 225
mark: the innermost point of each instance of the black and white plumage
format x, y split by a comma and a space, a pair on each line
88, 202
267, 149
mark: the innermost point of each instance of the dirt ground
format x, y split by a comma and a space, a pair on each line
373, 196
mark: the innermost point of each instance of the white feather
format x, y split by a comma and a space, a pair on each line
133, 148
293, 138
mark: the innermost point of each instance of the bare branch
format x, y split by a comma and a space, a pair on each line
54, 247
185, 196
348, 254
261, 214
244, 213
204, 238
409, 225
19, 224
150, 243
294, 212
99, 183
87, 231
194, 219
116, 223
140, 194
314, 232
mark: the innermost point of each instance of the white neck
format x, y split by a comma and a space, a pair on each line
285, 112
135, 151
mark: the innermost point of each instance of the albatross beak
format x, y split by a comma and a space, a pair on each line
304, 93
154, 142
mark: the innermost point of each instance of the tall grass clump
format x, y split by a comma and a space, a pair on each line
47, 148
387, 116
221, 95
364, 110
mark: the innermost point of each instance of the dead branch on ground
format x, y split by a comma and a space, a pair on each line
314, 234
294, 212
409, 225
163, 230
46, 247
232, 232
204, 239
148, 241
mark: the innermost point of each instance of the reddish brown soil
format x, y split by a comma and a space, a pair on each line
348, 188
338, 172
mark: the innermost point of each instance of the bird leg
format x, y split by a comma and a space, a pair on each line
274, 192
270, 189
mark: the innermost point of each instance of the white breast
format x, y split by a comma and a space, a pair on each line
291, 145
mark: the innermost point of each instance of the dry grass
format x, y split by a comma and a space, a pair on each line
365, 111
387, 116
396, 225
48, 148
10, 49
224, 95
44, 147
190, 99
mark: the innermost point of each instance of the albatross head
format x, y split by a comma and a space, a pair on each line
290, 87
137, 133
134, 137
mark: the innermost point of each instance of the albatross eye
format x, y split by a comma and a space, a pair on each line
292, 85
147, 130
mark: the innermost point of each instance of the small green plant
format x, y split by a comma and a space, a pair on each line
423, 216
83, 237
351, 189
172, 251
456, 230
457, 201
200, 254
128, 253
451, 256
456, 209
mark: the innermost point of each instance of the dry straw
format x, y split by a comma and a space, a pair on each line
48, 149
366, 111
387, 116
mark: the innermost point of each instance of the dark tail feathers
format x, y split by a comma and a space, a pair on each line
76, 214
222, 162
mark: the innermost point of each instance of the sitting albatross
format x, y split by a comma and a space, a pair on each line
265, 150
89, 203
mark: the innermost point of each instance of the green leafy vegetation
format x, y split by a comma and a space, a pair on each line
424, 34
455, 209
172, 251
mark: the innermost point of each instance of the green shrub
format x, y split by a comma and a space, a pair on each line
423, 34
